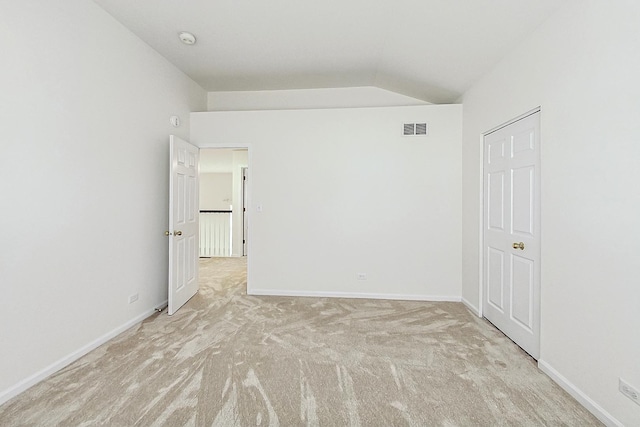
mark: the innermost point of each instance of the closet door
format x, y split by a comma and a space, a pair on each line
511, 284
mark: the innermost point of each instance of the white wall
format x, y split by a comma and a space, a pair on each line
582, 68
216, 161
215, 191
83, 177
366, 96
344, 193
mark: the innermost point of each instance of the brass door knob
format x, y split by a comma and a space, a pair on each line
519, 246
179, 233
167, 233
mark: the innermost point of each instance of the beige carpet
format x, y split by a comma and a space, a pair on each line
228, 359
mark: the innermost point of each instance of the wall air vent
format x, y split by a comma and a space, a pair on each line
409, 129
414, 129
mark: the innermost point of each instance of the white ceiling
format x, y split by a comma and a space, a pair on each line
428, 49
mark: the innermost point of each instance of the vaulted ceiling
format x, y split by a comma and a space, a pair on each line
428, 49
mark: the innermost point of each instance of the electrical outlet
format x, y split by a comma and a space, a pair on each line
361, 276
629, 391
133, 298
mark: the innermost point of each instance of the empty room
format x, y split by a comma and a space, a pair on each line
429, 211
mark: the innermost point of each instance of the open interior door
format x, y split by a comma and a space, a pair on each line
183, 223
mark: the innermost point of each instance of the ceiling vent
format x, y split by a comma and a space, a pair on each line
414, 129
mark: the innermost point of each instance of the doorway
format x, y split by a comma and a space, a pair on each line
203, 182
224, 190
511, 230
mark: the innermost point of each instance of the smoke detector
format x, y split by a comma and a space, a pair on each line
187, 38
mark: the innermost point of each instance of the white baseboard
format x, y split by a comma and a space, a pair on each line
28, 382
471, 307
322, 294
579, 395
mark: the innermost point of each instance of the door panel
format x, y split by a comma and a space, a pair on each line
496, 201
522, 188
183, 223
511, 231
523, 140
522, 291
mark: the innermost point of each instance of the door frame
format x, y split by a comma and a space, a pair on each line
482, 210
245, 206
249, 147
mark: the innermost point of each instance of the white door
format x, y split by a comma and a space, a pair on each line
511, 293
245, 204
183, 223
